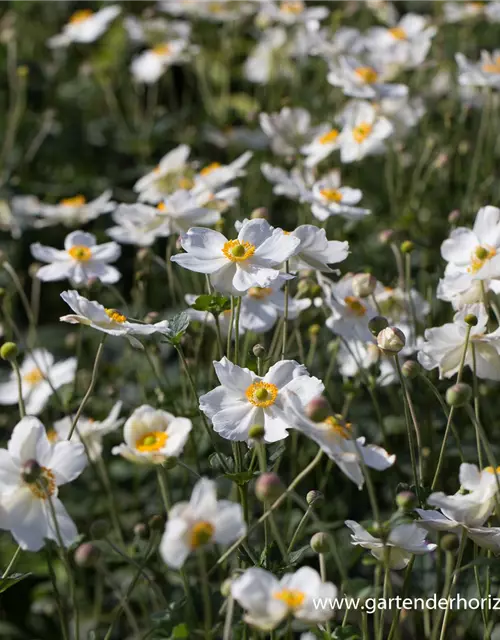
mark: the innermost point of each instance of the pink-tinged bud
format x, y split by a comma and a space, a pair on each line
391, 340
268, 487
260, 213
363, 285
386, 236
454, 216
318, 409
87, 555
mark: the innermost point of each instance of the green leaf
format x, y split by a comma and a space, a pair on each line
10, 581
180, 631
176, 328
346, 633
242, 478
215, 462
296, 556
213, 304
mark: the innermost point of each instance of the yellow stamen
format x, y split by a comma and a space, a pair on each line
259, 293
162, 49
329, 137
480, 257
45, 486
52, 435
367, 74
295, 8
492, 67
341, 428
34, 376
151, 441
332, 195
355, 305
80, 252
361, 132
80, 16
216, 7
492, 470
262, 394
75, 201
185, 183
293, 598
201, 534
237, 251
209, 168
161, 206
398, 33
115, 316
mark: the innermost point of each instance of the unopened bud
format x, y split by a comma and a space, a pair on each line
391, 340
256, 432
8, 351
377, 324
449, 542
87, 555
318, 409
363, 285
385, 236
225, 588
470, 319
259, 213
31, 471
320, 542
407, 246
454, 216
458, 395
314, 497
406, 500
268, 487
410, 369
259, 351
141, 531
313, 331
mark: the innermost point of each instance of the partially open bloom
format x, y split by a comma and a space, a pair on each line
363, 133
151, 436
40, 377
245, 399
329, 198
150, 65
82, 260
166, 177
31, 470
85, 26
267, 601
202, 521
403, 541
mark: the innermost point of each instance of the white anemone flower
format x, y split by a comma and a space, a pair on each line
81, 262
329, 198
295, 184
334, 436
361, 80
88, 430
245, 399
363, 133
251, 260
458, 11
485, 73
215, 175
262, 64
315, 251
27, 500
324, 143
288, 130
395, 304
76, 211
151, 436
262, 306
150, 65
403, 541
166, 177
40, 377
444, 345
267, 601
202, 521
85, 26
290, 12
354, 355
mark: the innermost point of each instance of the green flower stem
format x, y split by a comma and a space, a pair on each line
237, 331
369, 484
409, 411
11, 564
25, 302
285, 315
450, 589
57, 596
404, 591
20, 400
161, 473
476, 406
230, 330
300, 527
205, 588
322, 572
228, 622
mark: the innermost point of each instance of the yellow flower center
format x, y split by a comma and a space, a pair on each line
492, 67
480, 256
45, 486
398, 33
332, 195
367, 74
80, 252
161, 207
201, 534
162, 49
52, 435
152, 441
115, 316
34, 376
209, 168
237, 251
80, 16
341, 428
262, 394
185, 183
293, 598
361, 132
259, 293
329, 137
75, 201
295, 8
355, 305
215, 7
492, 470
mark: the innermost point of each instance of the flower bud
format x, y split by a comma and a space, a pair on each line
256, 432
407, 246
320, 542
470, 319
391, 340
313, 331
318, 409
363, 285
99, 529
225, 589
377, 324
314, 497
386, 236
458, 395
454, 216
406, 500
87, 555
260, 213
31, 471
268, 487
156, 523
8, 351
410, 369
449, 542
141, 531
259, 351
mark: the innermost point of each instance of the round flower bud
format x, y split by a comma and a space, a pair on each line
458, 395
449, 542
156, 523
319, 542
471, 320
377, 324
259, 351
391, 340
314, 497
406, 500
260, 212
314, 330
386, 236
86, 555
410, 369
256, 432
454, 216
268, 487
8, 351
225, 589
318, 409
31, 471
141, 531
363, 285
99, 529
407, 246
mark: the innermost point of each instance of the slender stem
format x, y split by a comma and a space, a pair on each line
237, 332
164, 490
57, 595
205, 587
404, 590
20, 399
408, 411
322, 571
11, 563
24, 300
476, 406
299, 529
230, 330
228, 622
285, 314
460, 555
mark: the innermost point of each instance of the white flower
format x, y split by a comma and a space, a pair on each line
82, 260
403, 541
458, 11
215, 175
261, 307
290, 12
40, 376
76, 211
357, 354
267, 601
444, 346
201, 521
152, 436
27, 506
150, 65
287, 130
166, 177
252, 260
363, 133
315, 251
245, 399
262, 64
294, 184
361, 80
85, 26
329, 198
324, 143
485, 73
334, 436
394, 304
89, 431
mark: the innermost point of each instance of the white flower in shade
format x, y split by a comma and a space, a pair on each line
110, 321
262, 64
395, 305
151, 436
315, 251
245, 399
166, 177
291, 12
40, 376
325, 142
221, 11
31, 471
202, 521
361, 80
82, 260
76, 211
85, 26
267, 601
252, 260
149, 66
334, 436
357, 354
404, 113
363, 133
458, 11
295, 184
261, 307
88, 430
329, 198
288, 130
443, 346
485, 73
21, 213
403, 541
214, 176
